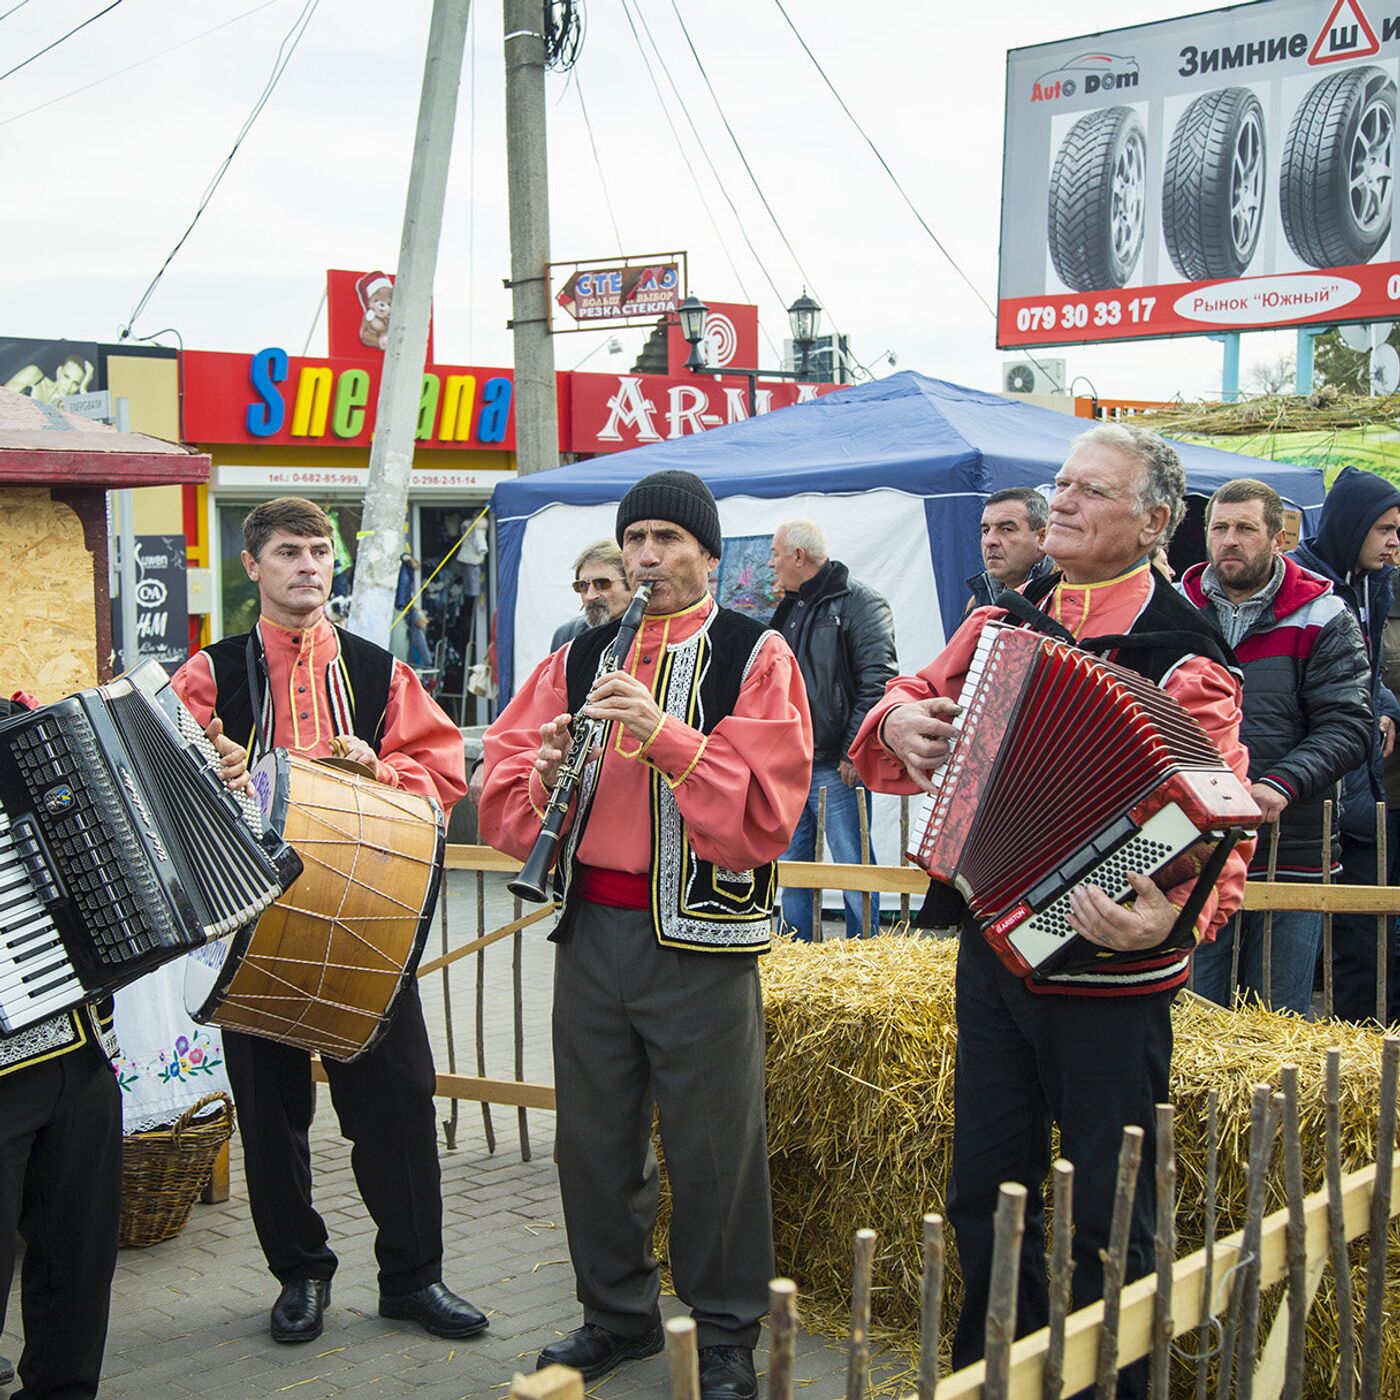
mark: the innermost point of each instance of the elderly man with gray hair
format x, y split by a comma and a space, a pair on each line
1088, 1049
842, 633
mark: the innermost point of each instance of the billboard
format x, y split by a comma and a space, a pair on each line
1232, 170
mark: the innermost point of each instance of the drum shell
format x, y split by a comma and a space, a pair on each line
324, 967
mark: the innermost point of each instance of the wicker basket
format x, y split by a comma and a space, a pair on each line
164, 1170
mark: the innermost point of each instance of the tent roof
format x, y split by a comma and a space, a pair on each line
905, 432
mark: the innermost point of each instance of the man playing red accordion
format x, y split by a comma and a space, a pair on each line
1087, 1050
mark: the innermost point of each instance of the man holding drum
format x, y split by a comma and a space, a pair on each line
296, 682
666, 877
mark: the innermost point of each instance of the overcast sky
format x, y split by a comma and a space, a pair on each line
101, 184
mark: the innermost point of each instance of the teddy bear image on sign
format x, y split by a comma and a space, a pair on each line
376, 293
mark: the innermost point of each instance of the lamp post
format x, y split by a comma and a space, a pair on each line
804, 319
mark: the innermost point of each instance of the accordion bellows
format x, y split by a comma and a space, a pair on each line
1067, 769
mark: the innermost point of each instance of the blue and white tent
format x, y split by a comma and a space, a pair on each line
894, 471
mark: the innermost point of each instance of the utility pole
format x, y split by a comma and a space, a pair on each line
396, 418
536, 405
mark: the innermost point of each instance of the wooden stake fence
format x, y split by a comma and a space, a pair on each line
1295, 1244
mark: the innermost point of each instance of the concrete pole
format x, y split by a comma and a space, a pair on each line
536, 407
396, 421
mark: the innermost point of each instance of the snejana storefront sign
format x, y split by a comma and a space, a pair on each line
1225, 171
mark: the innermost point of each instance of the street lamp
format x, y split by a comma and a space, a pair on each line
692, 313
804, 318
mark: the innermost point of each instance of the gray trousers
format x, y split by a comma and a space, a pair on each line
636, 1024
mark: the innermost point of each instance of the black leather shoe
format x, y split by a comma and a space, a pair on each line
297, 1313
726, 1373
594, 1351
437, 1310
7, 1371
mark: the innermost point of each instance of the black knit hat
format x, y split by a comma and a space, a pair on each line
680, 497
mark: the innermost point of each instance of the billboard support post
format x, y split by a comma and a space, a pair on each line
1303, 362
1230, 366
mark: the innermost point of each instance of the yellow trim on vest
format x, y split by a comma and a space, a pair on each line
80, 1024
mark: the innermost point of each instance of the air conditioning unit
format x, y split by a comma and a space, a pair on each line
1040, 376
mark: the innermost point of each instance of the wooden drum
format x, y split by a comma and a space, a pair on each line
324, 967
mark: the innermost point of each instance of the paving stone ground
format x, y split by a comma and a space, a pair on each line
189, 1317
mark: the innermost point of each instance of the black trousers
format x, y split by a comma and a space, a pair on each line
1354, 938
637, 1025
60, 1186
1025, 1060
384, 1102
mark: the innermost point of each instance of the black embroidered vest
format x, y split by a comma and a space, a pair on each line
694, 903
362, 673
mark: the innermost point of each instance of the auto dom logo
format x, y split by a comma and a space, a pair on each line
1087, 74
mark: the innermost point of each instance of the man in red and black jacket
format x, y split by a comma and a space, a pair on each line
1089, 1050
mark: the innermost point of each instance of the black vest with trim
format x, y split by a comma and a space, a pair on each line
365, 669
58, 1035
695, 904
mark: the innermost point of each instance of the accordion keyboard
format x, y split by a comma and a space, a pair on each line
935, 804
119, 847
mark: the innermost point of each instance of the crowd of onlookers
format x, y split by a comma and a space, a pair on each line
1319, 656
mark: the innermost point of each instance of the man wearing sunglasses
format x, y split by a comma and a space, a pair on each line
601, 584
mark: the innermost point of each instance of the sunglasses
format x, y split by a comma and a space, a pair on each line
603, 585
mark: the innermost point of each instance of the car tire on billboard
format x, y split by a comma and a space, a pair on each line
1213, 185
1335, 182
1098, 190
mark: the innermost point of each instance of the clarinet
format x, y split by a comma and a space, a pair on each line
588, 734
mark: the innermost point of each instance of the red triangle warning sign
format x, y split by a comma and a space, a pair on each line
1346, 33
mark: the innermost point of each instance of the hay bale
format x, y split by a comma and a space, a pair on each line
861, 1044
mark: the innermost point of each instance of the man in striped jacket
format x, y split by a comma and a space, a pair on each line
1088, 1050
1307, 722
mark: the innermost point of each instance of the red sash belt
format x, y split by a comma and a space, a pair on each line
617, 889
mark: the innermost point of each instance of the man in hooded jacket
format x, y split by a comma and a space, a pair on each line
1356, 545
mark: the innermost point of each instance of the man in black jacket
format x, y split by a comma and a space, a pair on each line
1307, 721
842, 633
1355, 545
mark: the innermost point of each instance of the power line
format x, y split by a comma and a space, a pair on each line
952, 261
285, 50
763, 199
140, 62
13, 8
704, 151
937, 243
48, 48
602, 178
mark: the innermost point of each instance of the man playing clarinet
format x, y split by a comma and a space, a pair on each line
296, 682
666, 878
1089, 1051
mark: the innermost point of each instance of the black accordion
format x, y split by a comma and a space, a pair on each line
120, 847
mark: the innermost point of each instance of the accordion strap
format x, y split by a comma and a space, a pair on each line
1025, 611
1191, 643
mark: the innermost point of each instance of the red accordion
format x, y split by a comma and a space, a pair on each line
1067, 769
